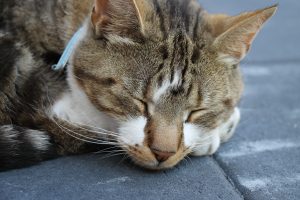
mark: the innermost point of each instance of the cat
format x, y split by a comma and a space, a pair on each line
159, 79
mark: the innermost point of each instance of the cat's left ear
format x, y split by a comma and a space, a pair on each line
234, 35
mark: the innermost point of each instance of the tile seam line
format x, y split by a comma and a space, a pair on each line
228, 178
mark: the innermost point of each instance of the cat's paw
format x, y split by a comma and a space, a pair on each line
208, 147
228, 129
223, 133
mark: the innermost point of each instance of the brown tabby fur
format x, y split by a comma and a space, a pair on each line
130, 48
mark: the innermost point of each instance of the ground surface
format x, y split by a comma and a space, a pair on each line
260, 162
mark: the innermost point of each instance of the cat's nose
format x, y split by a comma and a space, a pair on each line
162, 156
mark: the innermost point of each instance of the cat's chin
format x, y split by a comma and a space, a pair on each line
143, 158
155, 166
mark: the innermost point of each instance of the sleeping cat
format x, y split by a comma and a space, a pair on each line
159, 79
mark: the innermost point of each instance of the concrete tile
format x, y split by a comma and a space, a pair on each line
88, 177
264, 156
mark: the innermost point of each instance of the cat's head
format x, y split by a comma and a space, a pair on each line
168, 72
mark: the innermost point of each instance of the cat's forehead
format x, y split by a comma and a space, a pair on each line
174, 66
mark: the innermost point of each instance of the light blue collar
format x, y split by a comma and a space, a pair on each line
68, 51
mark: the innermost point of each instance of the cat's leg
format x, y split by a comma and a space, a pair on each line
24, 98
72, 139
21, 147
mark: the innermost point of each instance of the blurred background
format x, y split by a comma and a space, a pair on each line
261, 162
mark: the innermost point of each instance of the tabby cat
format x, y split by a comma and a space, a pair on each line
159, 79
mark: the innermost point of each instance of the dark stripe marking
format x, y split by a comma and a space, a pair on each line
161, 18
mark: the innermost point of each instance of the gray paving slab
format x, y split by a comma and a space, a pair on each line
263, 158
88, 177
279, 40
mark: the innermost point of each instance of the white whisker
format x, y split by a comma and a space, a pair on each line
85, 127
87, 139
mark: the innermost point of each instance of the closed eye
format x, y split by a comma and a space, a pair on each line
142, 105
195, 114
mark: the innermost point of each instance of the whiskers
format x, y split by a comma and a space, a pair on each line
95, 135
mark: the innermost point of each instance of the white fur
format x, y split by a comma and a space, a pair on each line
230, 60
116, 39
204, 142
192, 133
132, 131
208, 147
38, 139
167, 85
160, 91
201, 141
233, 120
25, 64
9, 134
75, 107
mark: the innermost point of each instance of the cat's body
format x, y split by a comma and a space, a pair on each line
156, 78
29, 87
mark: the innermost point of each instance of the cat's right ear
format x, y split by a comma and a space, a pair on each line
125, 18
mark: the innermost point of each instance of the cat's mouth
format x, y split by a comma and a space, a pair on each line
146, 158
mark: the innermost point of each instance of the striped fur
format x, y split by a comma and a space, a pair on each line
27, 90
21, 147
143, 71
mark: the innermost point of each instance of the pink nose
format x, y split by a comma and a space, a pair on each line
162, 156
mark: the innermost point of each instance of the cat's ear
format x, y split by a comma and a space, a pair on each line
121, 17
234, 35
144, 10
100, 13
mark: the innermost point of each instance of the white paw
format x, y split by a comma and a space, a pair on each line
210, 143
208, 147
227, 129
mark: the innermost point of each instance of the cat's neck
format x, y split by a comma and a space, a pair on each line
75, 107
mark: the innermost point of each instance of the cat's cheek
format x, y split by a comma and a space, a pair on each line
132, 131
